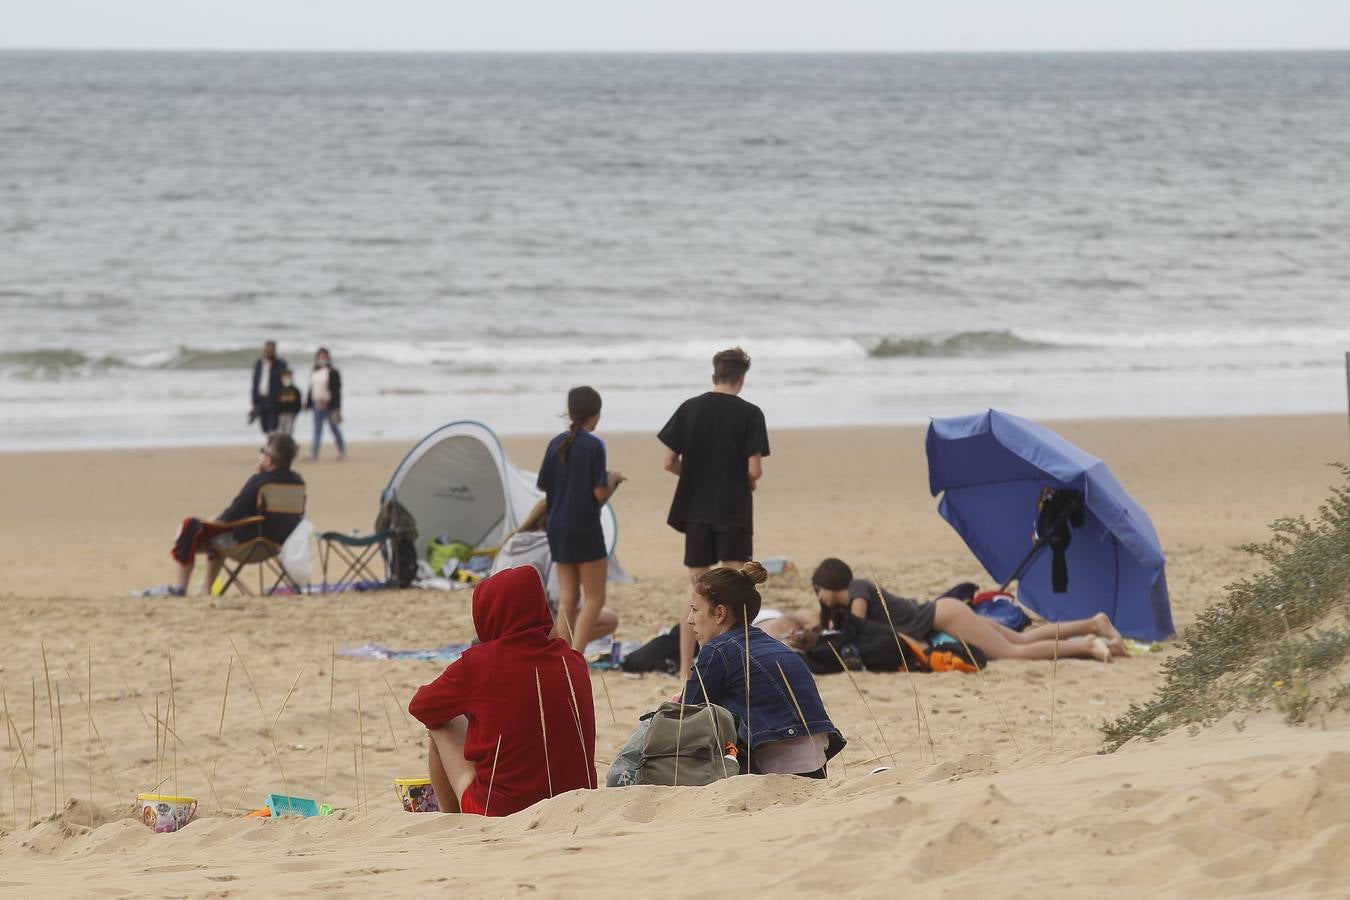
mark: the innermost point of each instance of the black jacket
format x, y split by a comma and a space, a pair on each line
277, 526
334, 391
274, 381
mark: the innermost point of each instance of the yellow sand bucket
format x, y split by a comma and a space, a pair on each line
162, 813
416, 794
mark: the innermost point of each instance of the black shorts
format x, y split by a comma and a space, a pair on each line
707, 545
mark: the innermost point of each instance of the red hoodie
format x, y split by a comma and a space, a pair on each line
493, 685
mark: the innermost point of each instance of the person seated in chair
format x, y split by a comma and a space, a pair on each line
197, 536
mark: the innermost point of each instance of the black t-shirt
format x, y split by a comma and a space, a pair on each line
715, 435
909, 616
277, 526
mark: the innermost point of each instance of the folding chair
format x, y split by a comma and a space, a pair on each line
356, 553
273, 499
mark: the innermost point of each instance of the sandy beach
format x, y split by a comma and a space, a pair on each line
998, 802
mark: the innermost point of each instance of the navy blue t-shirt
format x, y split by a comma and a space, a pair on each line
573, 523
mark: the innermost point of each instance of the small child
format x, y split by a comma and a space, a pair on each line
289, 403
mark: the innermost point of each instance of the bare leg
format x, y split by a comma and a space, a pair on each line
1098, 626
594, 574
606, 624
686, 633
450, 773
182, 576
954, 617
213, 566
569, 594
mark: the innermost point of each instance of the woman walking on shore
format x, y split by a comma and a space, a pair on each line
576, 484
325, 398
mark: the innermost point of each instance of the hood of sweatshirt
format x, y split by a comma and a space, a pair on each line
511, 604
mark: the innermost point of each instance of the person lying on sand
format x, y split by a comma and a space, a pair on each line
782, 693
196, 536
838, 591
511, 721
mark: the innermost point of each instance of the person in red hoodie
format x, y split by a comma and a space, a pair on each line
512, 720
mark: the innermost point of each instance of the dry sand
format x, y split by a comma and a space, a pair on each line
1247, 807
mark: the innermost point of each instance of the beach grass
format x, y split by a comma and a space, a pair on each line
1276, 639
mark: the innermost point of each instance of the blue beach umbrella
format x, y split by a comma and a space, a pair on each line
991, 469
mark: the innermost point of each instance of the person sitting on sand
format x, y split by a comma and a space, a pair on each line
511, 721
784, 723
528, 546
839, 592
195, 536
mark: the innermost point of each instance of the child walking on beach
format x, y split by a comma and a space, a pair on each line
768, 688
576, 484
715, 445
511, 721
289, 403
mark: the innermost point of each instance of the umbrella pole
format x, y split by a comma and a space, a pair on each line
1036, 548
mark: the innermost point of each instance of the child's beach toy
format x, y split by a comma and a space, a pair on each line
281, 805
416, 794
162, 813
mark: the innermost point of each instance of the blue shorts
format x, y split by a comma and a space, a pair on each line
577, 545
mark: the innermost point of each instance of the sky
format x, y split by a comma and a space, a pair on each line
676, 25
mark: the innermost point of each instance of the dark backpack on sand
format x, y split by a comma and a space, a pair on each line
401, 543
700, 733
660, 654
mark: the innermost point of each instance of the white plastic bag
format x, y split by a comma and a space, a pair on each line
297, 554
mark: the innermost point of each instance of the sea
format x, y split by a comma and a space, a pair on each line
890, 237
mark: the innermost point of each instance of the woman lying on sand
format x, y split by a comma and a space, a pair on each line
782, 691
838, 591
511, 720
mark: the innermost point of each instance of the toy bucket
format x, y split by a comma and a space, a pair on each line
416, 794
162, 813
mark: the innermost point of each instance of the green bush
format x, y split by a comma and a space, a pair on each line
1239, 648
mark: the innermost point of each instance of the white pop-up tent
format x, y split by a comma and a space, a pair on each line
459, 482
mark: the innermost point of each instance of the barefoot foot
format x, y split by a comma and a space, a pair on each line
1107, 632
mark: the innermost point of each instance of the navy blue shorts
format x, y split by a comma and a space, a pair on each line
577, 545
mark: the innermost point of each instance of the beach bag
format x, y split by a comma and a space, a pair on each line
1001, 608
445, 555
297, 553
623, 771
660, 654
688, 745
400, 548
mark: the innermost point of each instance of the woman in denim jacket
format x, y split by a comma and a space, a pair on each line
784, 725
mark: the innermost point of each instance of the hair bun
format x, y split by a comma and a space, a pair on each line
755, 572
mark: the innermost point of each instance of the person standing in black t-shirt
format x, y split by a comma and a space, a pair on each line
715, 445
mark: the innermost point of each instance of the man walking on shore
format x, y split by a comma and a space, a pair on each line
263, 395
715, 445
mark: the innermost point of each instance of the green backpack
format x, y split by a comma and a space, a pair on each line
706, 741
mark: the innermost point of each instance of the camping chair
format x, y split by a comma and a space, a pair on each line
278, 499
357, 553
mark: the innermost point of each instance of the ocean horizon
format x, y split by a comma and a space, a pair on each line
890, 236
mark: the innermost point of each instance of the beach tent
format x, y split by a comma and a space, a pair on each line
459, 482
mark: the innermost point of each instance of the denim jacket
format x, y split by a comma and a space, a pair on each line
772, 714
